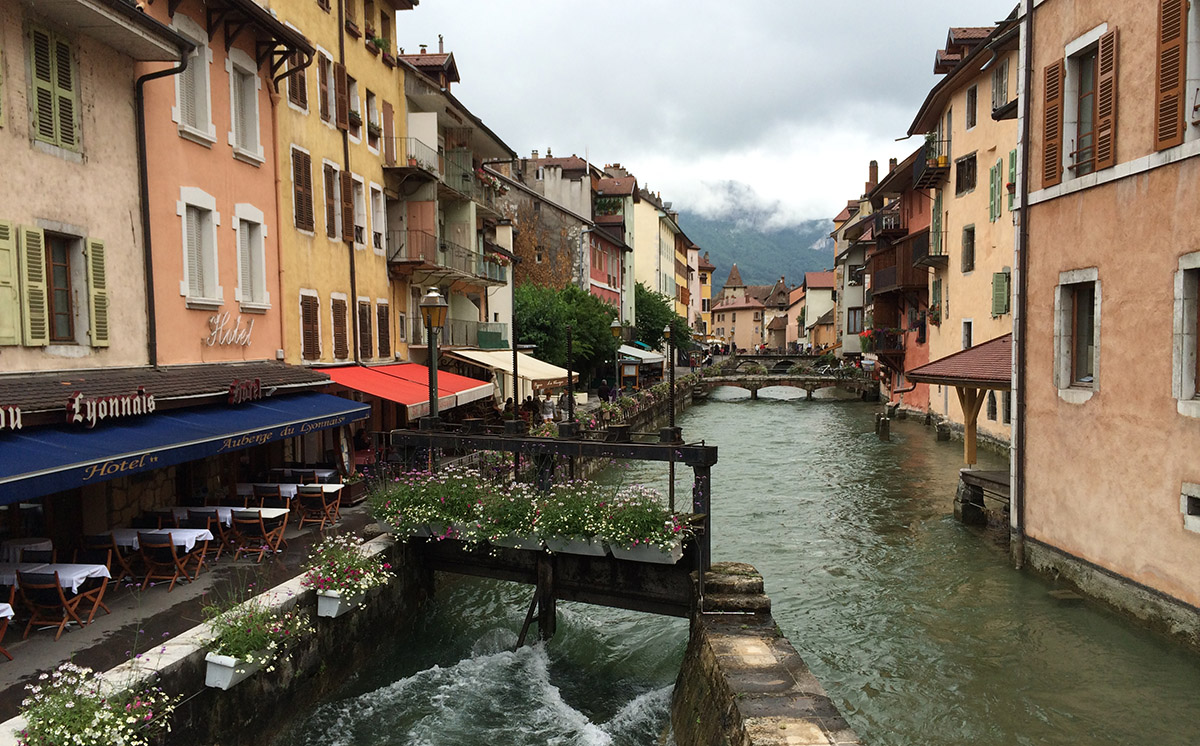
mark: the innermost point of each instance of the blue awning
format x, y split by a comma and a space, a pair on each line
44, 460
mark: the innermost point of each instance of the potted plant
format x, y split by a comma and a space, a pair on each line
374, 129
637, 526
508, 518
382, 44
246, 638
72, 705
370, 43
571, 517
355, 117
341, 573
354, 488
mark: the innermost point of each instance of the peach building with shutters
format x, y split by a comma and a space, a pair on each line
212, 174
72, 283
1107, 379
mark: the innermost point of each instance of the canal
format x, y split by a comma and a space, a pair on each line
918, 627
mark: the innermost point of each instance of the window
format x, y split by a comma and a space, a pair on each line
1000, 85
54, 94
349, 9
341, 96
298, 82
331, 200
58, 288
360, 214
401, 329
302, 191
364, 329
378, 218
193, 112
310, 327
1185, 374
1189, 505
854, 320
341, 338
968, 249
374, 130
1000, 285
703, 278
967, 329
243, 107
704, 305
200, 254
325, 87
251, 257
354, 111
964, 174
384, 322
1084, 156
1079, 99
972, 106
43, 274
991, 406
1006, 409
1077, 333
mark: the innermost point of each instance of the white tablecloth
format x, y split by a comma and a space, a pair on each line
225, 513
183, 537
8, 570
10, 549
287, 490
6, 611
317, 473
69, 575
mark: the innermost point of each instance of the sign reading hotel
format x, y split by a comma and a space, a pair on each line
244, 391
10, 418
93, 409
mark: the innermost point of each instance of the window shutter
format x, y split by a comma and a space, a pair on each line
64, 94
195, 251
331, 201
935, 227
33, 280
10, 286
1012, 177
245, 274
97, 292
384, 322
1171, 78
999, 184
302, 183
187, 90
992, 194
347, 207
1106, 101
999, 293
298, 82
364, 330
1052, 113
935, 295
389, 141
43, 85
323, 86
341, 345
310, 337
342, 94
238, 104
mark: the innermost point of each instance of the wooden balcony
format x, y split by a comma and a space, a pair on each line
932, 167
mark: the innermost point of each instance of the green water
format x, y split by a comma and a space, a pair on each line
918, 627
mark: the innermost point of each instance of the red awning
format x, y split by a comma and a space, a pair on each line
463, 388
413, 396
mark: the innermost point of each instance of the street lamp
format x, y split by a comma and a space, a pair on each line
433, 312
615, 328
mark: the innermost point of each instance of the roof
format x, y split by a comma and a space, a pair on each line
899, 179
616, 187
843, 216
967, 34
706, 264
779, 322
825, 320
819, 279
987, 366
735, 278
427, 63
734, 304
796, 295
570, 163
644, 356
529, 368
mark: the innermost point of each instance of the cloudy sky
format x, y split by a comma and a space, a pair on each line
790, 98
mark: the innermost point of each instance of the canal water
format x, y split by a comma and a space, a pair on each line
918, 627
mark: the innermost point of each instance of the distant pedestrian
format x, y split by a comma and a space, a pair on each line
548, 408
605, 391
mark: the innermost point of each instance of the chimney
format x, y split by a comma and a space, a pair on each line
891, 165
441, 45
534, 156
548, 152
423, 48
873, 181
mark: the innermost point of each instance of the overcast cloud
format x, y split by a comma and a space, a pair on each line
790, 97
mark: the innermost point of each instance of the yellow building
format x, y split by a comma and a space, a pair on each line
969, 119
706, 269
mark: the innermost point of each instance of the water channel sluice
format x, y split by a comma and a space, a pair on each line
916, 625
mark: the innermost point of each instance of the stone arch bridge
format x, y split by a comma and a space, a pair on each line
860, 384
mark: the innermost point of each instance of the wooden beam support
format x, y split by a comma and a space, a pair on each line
234, 29
971, 400
215, 17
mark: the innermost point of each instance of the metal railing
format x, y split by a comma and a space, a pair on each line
890, 222
412, 153
932, 165
463, 333
422, 246
459, 174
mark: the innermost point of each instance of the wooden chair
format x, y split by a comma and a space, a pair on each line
44, 597
263, 492
12, 598
203, 547
122, 561
93, 588
313, 506
161, 559
38, 556
209, 519
254, 535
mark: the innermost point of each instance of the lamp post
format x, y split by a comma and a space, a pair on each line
615, 328
433, 312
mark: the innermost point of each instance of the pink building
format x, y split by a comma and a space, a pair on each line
606, 268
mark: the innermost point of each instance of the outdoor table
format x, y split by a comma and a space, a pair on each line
317, 473
182, 537
8, 570
10, 549
72, 575
286, 489
225, 512
6, 611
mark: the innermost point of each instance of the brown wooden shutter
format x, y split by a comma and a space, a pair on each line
364, 330
341, 345
302, 187
347, 207
1052, 134
342, 94
310, 334
1171, 79
298, 81
1106, 101
323, 85
383, 321
389, 139
331, 201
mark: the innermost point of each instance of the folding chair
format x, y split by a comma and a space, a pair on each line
44, 597
209, 518
253, 534
12, 597
161, 559
203, 547
313, 507
93, 588
121, 566
264, 492
38, 556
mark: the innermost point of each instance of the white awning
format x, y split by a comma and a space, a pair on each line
528, 368
646, 357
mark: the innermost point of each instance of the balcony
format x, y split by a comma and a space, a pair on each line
926, 253
932, 165
485, 335
413, 158
890, 223
893, 271
419, 252
887, 345
460, 180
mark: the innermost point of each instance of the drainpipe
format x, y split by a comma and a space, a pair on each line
139, 99
353, 305
273, 94
1022, 263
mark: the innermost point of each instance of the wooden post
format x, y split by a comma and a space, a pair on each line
970, 399
547, 611
702, 504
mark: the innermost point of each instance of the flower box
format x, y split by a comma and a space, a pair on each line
352, 28
355, 117
225, 671
388, 59
649, 553
591, 547
333, 604
370, 44
519, 541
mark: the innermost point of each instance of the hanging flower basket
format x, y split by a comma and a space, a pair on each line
531, 542
649, 553
225, 672
591, 547
333, 604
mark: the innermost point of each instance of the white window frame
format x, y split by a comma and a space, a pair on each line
330, 88
1070, 105
353, 104
351, 337
360, 210
967, 324
1191, 520
198, 198
337, 199
378, 209
1000, 75
248, 217
1068, 390
239, 65
309, 293
206, 132
1184, 386
971, 109
372, 117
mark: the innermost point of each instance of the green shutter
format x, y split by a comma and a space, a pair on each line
992, 194
999, 293
35, 313
935, 295
1012, 177
42, 65
64, 95
97, 292
10, 286
936, 225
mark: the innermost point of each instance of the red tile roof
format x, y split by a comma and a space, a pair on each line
705, 264
426, 60
570, 163
616, 187
740, 302
970, 33
735, 278
777, 323
987, 365
819, 279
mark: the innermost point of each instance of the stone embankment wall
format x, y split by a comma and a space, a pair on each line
742, 683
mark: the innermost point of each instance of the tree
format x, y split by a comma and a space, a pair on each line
653, 312
543, 314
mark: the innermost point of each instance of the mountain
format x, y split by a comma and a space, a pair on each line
762, 253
